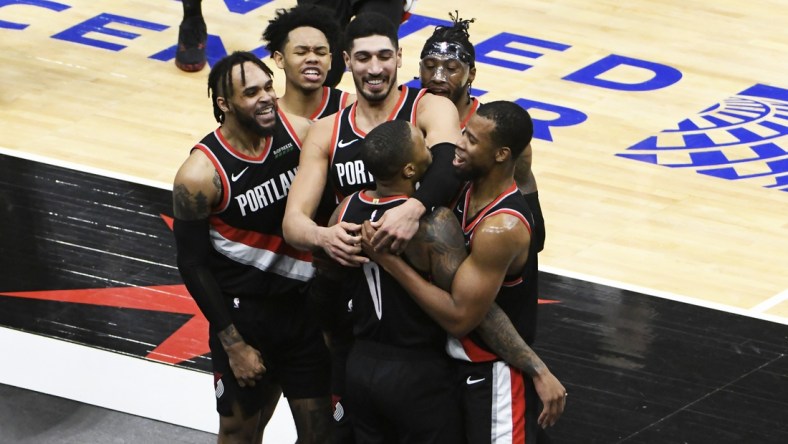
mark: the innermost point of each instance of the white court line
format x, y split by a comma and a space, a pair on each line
771, 302
123, 383
752, 312
87, 169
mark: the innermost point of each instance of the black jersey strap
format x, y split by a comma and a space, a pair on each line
440, 184
540, 233
194, 246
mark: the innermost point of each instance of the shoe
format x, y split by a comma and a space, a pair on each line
192, 35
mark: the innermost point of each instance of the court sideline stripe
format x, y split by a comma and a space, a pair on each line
754, 312
751, 312
771, 302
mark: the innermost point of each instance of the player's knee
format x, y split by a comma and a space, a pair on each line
313, 419
237, 430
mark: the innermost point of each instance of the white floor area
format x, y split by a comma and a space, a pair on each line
123, 383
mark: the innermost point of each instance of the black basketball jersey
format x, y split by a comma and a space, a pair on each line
333, 101
383, 310
517, 296
347, 173
250, 255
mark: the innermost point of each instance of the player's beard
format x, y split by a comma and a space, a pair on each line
378, 96
468, 173
459, 95
250, 123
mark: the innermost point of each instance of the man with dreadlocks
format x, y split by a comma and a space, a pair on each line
447, 68
229, 198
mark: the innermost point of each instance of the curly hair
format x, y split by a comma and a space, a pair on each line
309, 15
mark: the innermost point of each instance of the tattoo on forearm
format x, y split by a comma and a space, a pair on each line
498, 332
230, 336
446, 244
188, 206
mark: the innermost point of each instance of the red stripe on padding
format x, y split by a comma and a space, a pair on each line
518, 406
262, 241
476, 353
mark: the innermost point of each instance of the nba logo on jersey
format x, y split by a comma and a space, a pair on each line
744, 137
236, 303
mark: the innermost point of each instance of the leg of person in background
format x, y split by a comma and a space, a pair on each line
192, 35
393, 9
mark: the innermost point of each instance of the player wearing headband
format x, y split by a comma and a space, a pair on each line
447, 68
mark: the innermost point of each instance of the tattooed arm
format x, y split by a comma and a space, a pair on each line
196, 190
500, 335
439, 247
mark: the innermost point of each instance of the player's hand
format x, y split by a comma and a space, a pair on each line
246, 363
342, 243
379, 256
397, 226
553, 396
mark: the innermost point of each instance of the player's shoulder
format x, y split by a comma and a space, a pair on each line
301, 125
505, 226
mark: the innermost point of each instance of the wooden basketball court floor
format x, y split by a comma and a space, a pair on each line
661, 154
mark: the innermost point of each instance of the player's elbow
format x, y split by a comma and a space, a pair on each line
461, 324
459, 329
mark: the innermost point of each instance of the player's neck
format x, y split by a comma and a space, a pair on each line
244, 141
464, 107
390, 189
488, 187
371, 114
299, 102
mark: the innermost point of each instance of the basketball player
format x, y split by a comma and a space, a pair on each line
498, 399
447, 68
331, 150
333, 145
300, 40
344, 10
229, 198
399, 379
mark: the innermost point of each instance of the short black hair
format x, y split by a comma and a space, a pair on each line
513, 125
220, 79
368, 24
456, 33
310, 15
387, 149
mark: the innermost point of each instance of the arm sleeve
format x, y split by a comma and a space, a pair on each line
194, 246
440, 184
536, 209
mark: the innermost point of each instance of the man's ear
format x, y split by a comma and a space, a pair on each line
502, 154
409, 170
471, 75
279, 59
221, 102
